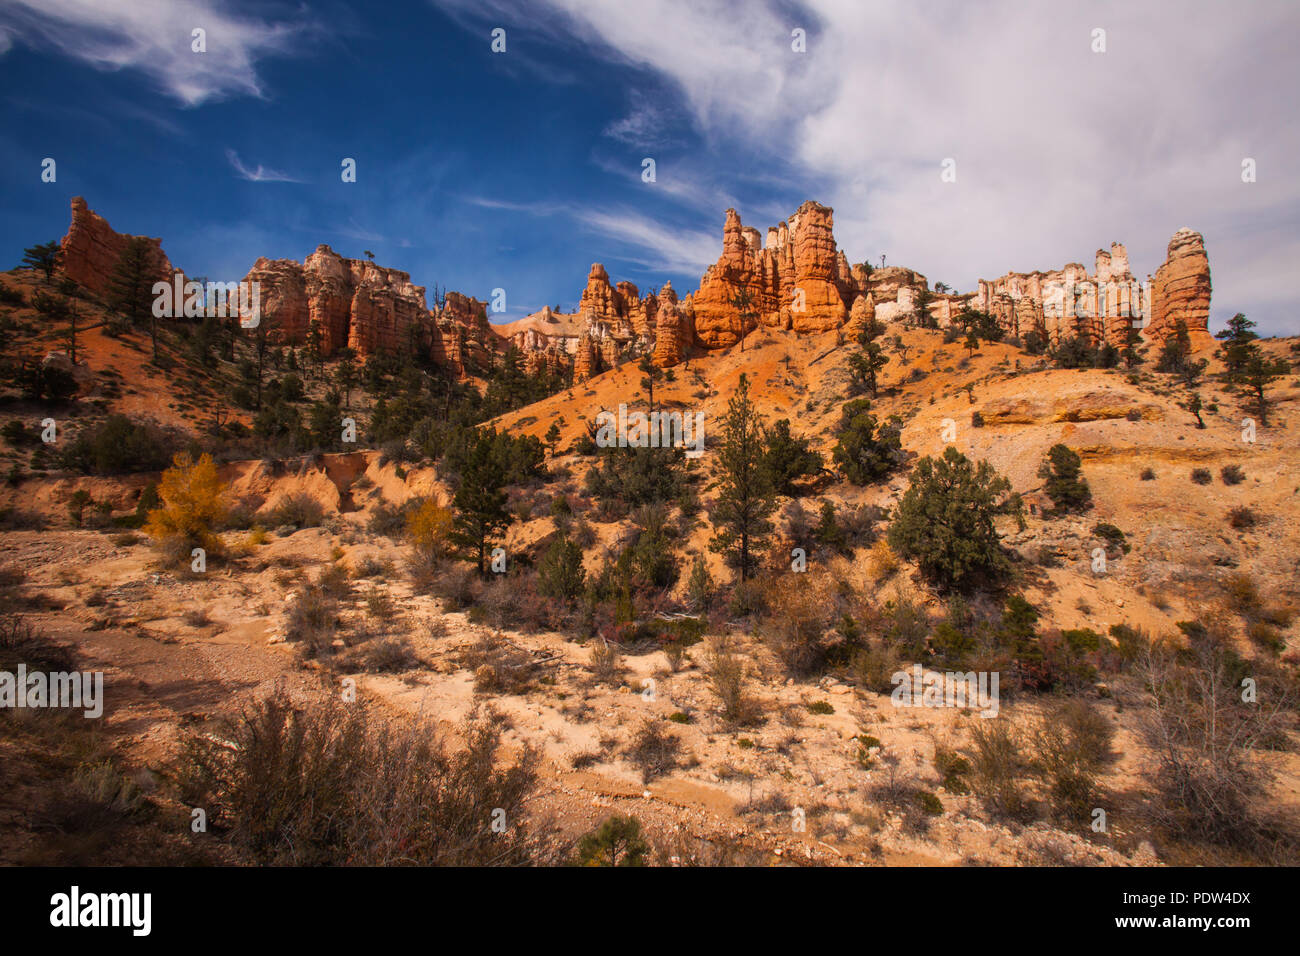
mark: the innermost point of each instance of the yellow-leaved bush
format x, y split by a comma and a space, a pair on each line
193, 505
429, 528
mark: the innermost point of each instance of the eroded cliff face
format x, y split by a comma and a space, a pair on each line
356, 304
91, 250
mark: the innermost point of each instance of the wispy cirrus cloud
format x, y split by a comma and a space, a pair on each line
651, 122
647, 242
260, 174
156, 38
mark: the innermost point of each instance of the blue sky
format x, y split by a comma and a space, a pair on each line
478, 170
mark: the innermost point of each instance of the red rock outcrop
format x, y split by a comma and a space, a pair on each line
92, 248
586, 359
356, 304
862, 312
799, 280
672, 329
543, 330
599, 299
1181, 288
352, 302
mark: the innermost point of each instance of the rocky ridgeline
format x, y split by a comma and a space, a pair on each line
352, 303
798, 280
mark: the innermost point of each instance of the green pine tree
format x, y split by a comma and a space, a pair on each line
745, 499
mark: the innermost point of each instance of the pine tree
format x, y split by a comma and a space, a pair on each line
865, 450
945, 521
745, 498
786, 459
743, 303
345, 375
1176, 350
44, 257
864, 369
1258, 373
130, 287
1132, 353
650, 373
480, 501
1236, 338
560, 574
1065, 485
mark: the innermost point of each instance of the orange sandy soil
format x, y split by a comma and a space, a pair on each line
163, 674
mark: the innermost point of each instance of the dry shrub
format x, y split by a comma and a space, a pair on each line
605, 664
676, 654
512, 603
196, 617
334, 583
652, 751
1232, 474
796, 625
387, 655
1210, 784
324, 783
499, 666
1071, 747
875, 663
682, 848
22, 642
380, 605
457, 585
88, 814
897, 787
998, 761
313, 622
730, 679
372, 567
298, 509
1242, 517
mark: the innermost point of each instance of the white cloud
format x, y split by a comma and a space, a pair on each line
261, 174
1059, 150
154, 37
